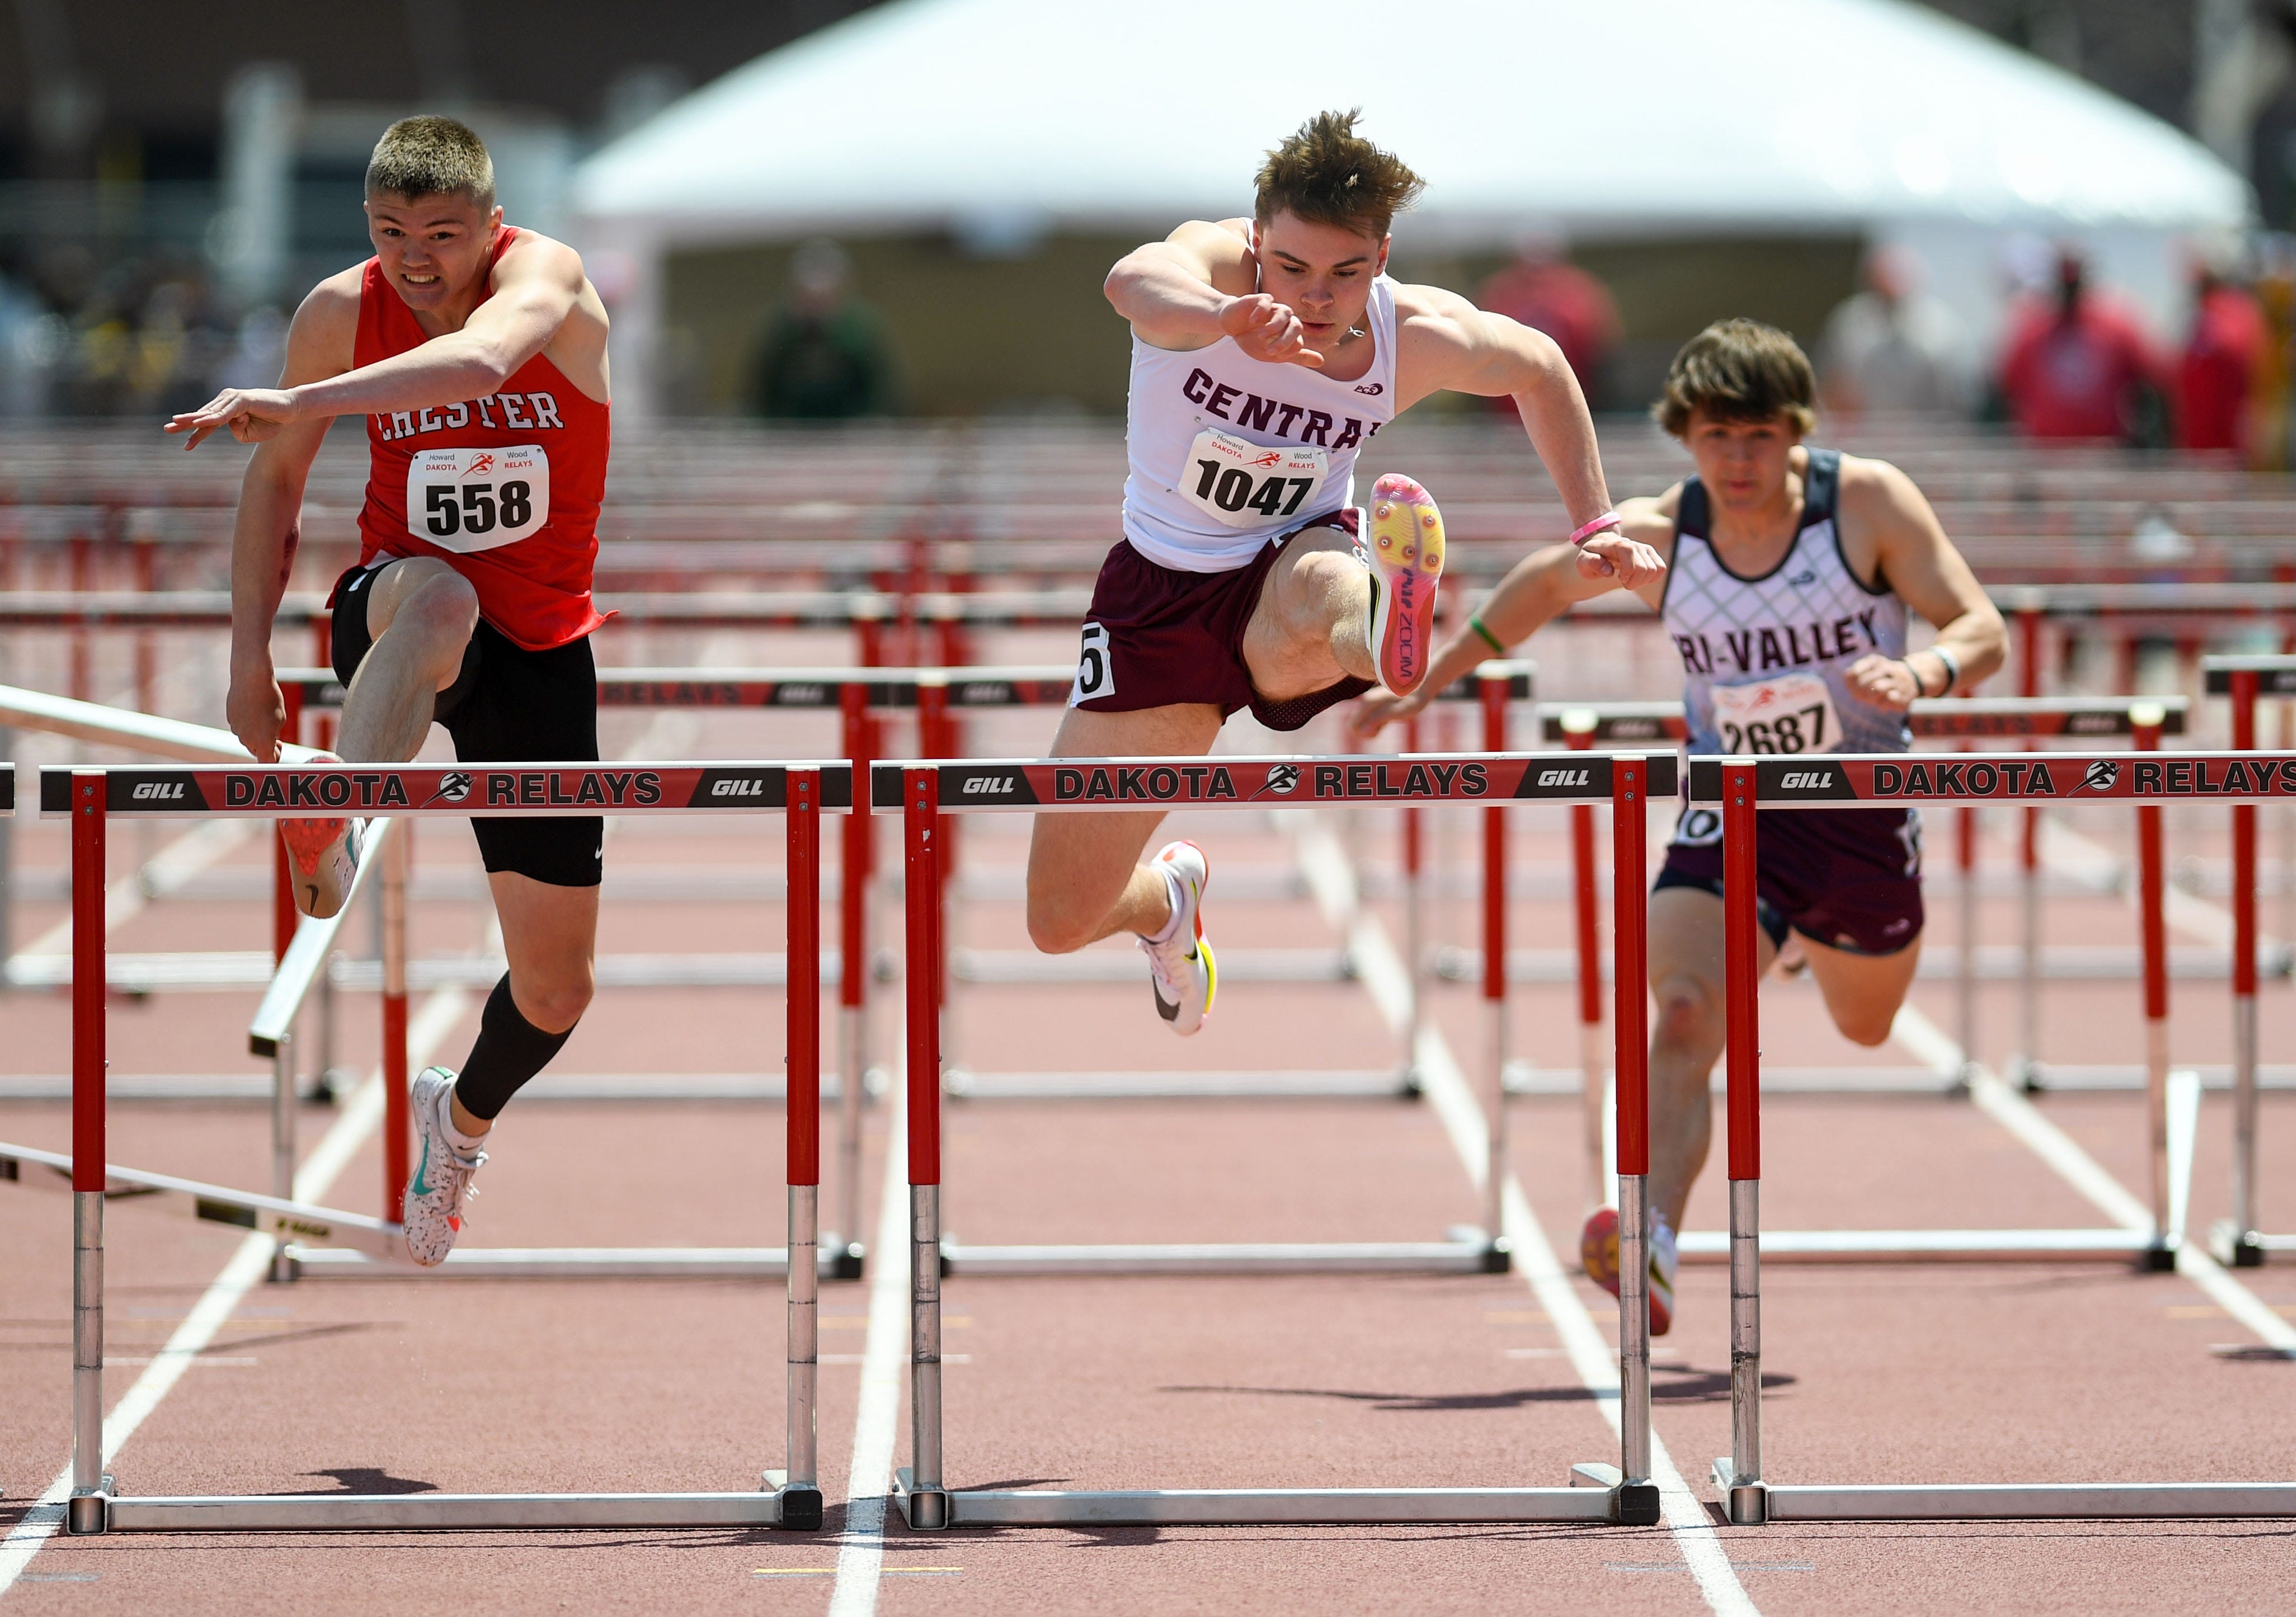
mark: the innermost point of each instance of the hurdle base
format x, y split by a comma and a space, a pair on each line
934, 1510
2237, 1248
2138, 1247
576, 1263
1468, 1252
1632, 1504
1381, 1084
440, 1512
2029, 1501
1745, 1504
86, 1515
800, 1506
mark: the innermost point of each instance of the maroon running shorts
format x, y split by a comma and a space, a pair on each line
1155, 636
1848, 878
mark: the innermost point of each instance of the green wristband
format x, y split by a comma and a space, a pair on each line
1489, 640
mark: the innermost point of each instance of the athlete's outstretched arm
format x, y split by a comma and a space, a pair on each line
1930, 575
1197, 285
1536, 590
270, 524
537, 284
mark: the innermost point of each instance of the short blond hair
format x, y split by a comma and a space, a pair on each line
1739, 370
420, 157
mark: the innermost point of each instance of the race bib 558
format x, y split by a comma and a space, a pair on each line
467, 500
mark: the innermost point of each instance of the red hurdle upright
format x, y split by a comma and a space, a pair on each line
1742, 785
1579, 735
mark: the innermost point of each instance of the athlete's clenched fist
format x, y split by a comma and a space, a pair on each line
1613, 555
1269, 331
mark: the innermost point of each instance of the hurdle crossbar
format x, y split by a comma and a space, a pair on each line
1740, 787
791, 1498
928, 792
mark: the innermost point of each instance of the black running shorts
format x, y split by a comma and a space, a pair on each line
1848, 878
508, 705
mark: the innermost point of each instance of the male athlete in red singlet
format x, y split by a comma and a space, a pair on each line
477, 354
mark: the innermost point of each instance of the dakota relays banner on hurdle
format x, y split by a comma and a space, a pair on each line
1825, 782
1275, 782
271, 791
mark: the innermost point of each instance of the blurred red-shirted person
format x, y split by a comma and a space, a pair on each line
2078, 367
2217, 373
1546, 292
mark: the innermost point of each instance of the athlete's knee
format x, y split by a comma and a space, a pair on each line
1057, 923
1316, 593
1867, 1025
1689, 1014
440, 611
554, 1000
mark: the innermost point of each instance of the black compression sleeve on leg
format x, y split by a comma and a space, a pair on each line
509, 1050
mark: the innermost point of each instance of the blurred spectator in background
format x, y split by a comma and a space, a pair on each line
2076, 365
1543, 291
2217, 373
824, 356
1893, 349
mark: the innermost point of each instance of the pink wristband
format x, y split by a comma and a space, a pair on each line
1608, 520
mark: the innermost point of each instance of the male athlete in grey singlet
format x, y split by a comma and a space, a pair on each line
1790, 571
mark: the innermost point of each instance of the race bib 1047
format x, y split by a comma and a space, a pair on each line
1792, 713
466, 500
1241, 484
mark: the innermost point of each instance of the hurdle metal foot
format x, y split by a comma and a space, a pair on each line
1632, 1504
1745, 1500
2032, 1501
800, 1508
926, 1511
2234, 1247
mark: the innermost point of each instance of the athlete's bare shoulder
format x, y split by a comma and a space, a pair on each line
1434, 318
578, 348
323, 335
1220, 252
1444, 343
1878, 497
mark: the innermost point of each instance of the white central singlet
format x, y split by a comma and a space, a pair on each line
1227, 452
1807, 619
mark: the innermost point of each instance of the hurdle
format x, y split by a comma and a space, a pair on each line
801, 793
1960, 718
2172, 1097
2237, 1240
1740, 787
928, 792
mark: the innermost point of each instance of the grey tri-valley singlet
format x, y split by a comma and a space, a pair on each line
1760, 641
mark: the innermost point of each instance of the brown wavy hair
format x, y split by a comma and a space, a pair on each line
1327, 174
1739, 370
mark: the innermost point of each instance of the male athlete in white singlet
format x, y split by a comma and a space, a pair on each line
1791, 571
1265, 353
477, 351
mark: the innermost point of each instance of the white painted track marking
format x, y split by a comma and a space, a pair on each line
1929, 1044
861, 1547
437, 1018
1331, 880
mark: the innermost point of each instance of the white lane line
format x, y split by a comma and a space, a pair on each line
1927, 1042
861, 1547
429, 1026
2084, 857
1331, 880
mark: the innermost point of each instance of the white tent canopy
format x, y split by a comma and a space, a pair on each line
1003, 120
1623, 114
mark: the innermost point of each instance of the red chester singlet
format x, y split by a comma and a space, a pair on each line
505, 490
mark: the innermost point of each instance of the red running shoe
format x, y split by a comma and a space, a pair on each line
1598, 1255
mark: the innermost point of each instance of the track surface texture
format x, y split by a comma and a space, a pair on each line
1942, 1373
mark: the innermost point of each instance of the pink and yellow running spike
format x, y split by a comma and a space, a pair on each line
1406, 558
